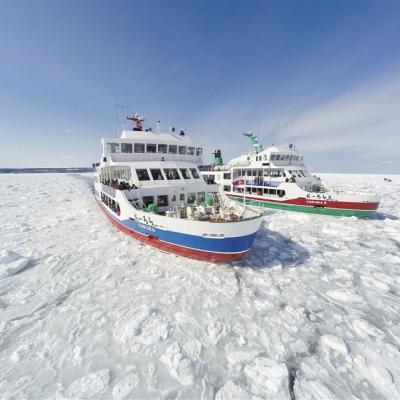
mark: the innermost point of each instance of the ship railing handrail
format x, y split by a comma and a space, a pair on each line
336, 192
212, 168
341, 190
131, 200
128, 157
109, 190
263, 183
224, 201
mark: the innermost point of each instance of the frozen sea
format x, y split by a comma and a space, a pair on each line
313, 312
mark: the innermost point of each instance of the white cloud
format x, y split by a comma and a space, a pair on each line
366, 119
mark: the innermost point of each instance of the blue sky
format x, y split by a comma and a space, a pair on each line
324, 74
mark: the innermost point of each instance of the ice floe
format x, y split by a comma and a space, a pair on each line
86, 313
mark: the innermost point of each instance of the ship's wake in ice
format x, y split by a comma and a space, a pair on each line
85, 312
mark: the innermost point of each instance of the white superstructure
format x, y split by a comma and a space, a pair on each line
149, 186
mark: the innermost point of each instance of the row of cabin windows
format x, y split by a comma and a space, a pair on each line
285, 157
274, 173
167, 173
154, 148
299, 173
163, 200
261, 192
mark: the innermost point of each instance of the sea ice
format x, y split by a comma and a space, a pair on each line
11, 263
311, 313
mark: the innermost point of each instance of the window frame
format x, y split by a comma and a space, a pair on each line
112, 146
196, 173
148, 197
187, 172
153, 145
190, 196
146, 171
191, 151
161, 174
201, 197
123, 148
179, 150
172, 146
136, 145
174, 171
164, 196
161, 146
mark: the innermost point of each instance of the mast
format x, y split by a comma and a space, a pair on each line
254, 141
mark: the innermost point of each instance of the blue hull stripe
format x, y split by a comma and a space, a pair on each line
224, 245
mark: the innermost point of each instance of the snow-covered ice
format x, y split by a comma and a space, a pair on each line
85, 312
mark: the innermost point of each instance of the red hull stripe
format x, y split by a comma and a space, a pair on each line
348, 205
172, 248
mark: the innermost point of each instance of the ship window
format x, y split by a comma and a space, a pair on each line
162, 148
147, 200
272, 192
151, 148
272, 157
171, 173
281, 193
126, 147
113, 147
275, 173
162, 200
182, 150
185, 173
227, 175
156, 174
182, 197
121, 174
191, 198
201, 196
190, 151
266, 172
194, 172
290, 158
227, 188
172, 149
142, 175
199, 151
139, 148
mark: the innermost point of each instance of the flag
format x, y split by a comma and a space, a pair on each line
238, 181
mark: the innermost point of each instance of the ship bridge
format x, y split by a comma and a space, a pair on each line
135, 146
